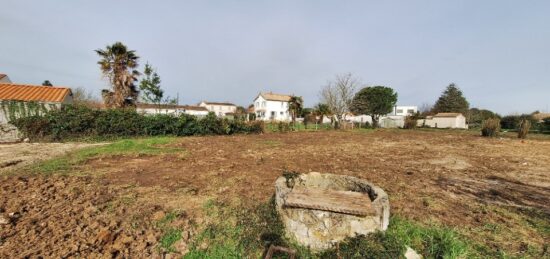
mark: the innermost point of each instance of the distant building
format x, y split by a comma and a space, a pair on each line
403, 110
146, 108
541, 116
220, 109
4, 78
445, 120
272, 107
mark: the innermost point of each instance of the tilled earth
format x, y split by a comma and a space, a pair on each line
493, 191
59, 216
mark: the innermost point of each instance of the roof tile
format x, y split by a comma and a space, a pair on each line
27, 93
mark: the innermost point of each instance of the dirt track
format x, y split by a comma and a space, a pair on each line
453, 178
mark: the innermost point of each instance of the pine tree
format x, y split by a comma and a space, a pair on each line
452, 100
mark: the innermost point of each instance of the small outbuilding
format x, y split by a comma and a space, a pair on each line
20, 100
445, 120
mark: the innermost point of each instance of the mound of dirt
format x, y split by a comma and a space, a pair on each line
59, 216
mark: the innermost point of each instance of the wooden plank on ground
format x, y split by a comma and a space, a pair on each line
348, 202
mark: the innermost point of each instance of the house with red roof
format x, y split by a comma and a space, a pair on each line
16, 99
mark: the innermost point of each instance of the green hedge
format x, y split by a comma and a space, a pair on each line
80, 121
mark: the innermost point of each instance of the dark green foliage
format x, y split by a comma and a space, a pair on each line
47, 83
544, 126
477, 116
509, 122
151, 91
452, 100
374, 101
512, 122
490, 128
81, 121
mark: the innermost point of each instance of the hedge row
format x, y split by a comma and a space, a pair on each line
80, 121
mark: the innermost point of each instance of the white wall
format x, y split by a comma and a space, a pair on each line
172, 111
219, 110
445, 122
4, 115
159, 111
271, 110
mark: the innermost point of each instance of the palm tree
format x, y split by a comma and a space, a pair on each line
119, 64
295, 105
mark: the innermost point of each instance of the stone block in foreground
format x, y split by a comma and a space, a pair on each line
319, 210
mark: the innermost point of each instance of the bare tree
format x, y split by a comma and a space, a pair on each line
425, 109
81, 96
338, 95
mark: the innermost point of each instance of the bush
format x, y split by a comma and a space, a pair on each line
490, 128
283, 126
523, 129
410, 122
81, 121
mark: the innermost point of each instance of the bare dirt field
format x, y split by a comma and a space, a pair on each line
495, 192
14, 156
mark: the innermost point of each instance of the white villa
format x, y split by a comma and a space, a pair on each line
272, 107
445, 120
220, 109
395, 119
403, 110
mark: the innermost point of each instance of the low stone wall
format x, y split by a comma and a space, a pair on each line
321, 229
9, 133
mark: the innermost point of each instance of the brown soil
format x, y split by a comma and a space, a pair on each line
447, 177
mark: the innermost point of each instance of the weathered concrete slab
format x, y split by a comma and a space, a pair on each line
348, 202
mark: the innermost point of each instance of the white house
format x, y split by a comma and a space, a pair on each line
394, 119
220, 109
18, 100
146, 108
445, 120
403, 110
272, 107
4, 78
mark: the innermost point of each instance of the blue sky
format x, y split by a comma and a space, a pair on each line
497, 52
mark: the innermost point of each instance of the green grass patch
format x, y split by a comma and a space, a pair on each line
429, 241
169, 238
170, 235
140, 146
248, 232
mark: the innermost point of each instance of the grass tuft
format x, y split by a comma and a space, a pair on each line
144, 146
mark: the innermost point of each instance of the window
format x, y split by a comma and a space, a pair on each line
263, 104
399, 111
282, 113
257, 104
410, 111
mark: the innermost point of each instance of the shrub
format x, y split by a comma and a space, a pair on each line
490, 128
410, 122
523, 129
80, 121
283, 126
33, 126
